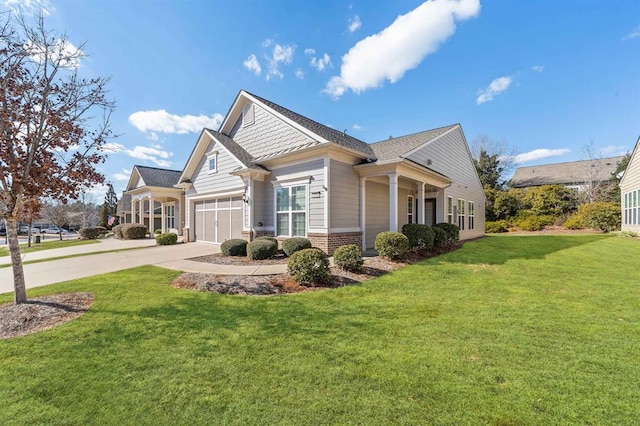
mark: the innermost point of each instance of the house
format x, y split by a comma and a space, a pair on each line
270, 171
630, 192
579, 175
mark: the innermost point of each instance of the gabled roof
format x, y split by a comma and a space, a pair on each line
236, 150
574, 172
397, 148
325, 132
153, 176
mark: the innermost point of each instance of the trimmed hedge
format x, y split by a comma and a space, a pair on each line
91, 233
166, 239
259, 249
234, 247
117, 231
309, 266
295, 244
157, 231
453, 232
391, 244
134, 231
348, 257
268, 238
420, 236
439, 237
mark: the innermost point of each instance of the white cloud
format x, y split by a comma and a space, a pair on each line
29, 7
281, 54
537, 68
309, 51
496, 87
112, 147
154, 155
160, 121
539, 154
357, 127
354, 24
321, 63
635, 33
122, 176
252, 64
401, 46
299, 73
613, 150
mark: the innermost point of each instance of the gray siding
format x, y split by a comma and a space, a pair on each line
630, 184
344, 195
316, 205
377, 210
267, 135
263, 204
449, 156
204, 183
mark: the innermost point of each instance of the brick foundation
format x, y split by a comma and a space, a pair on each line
248, 235
330, 242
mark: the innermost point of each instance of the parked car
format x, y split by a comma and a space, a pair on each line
3, 231
24, 230
55, 231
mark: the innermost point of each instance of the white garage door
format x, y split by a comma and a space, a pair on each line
218, 219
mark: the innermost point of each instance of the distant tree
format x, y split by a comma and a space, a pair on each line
108, 209
611, 191
58, 212
493, 160
53, 124
554, 200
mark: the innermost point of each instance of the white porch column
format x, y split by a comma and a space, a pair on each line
393, 202
152, 208
163, 220
420, 211
363, 212
141, 209
249, 205
133, 211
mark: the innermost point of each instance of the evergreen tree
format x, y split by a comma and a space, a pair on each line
109, 209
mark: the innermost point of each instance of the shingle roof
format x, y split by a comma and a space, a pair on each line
395, 148
333, 135
574, 172
153, 176
239, 152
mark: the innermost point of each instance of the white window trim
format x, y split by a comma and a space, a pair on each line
471, 208
449, 212
212, 156
290, 212
461, 214
410, 202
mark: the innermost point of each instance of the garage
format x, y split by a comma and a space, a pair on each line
218, 219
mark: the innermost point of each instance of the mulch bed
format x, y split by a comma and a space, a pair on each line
42, 313
264, 285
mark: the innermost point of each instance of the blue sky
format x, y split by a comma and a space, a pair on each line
547, 77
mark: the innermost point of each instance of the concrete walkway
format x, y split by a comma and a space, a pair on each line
171, 257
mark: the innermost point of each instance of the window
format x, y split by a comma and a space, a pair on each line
449, 210
291, 211
472, 218
410, 209
170, 216
212, 161
248, 116
461, 214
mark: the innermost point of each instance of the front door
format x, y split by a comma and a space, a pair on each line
430, 211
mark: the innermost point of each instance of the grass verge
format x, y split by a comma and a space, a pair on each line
47, 245
507, 330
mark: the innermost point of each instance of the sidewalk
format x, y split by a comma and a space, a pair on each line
171, 257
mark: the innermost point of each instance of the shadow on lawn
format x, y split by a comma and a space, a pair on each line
497, 250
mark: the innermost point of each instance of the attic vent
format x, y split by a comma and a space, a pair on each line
248, 116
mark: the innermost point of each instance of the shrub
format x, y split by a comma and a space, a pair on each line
605, 216
575, 221
348, 257
157, 231
453, 232
420, 236
134, 231
629, 234
530, 223
391, 244
309, 266
234, 247
496, 227
439, 237
117, 231
166, 239
90, 233
268, 238
551, 200
295, 244
259, 249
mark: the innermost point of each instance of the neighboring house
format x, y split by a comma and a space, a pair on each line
630, 192
580, 175
150, 186
270, 171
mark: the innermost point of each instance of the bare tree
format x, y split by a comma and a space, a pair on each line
57, 212
53, 124
594, 175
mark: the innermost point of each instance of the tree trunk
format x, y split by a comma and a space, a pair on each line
19, 286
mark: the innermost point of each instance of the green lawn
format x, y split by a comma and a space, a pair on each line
47, 245
508, 330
